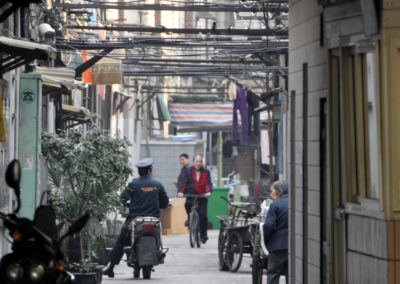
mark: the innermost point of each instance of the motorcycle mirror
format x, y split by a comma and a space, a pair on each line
77, 226
13, 178
13, 174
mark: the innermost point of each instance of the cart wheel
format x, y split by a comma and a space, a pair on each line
235, 251
257, 266
222, 249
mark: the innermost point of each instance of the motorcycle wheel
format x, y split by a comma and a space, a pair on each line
147, 271
136, 271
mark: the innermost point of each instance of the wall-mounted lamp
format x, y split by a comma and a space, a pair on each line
46, 32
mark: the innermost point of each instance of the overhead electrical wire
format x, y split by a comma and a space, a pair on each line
184, 5
214, 47
158, 55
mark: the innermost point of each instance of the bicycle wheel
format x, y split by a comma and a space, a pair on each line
235, 251
197, 229
257, 269
222, 249
192, 229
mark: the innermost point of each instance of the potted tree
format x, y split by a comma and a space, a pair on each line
87, 169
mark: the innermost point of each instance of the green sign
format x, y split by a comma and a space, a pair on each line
29, 140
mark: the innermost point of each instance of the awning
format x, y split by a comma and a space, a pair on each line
21, 52
77, 114
59, 77
163, 112
205, 115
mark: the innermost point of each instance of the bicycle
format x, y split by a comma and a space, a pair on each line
194, 221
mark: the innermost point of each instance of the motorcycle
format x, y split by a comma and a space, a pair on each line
146, 250
36, 255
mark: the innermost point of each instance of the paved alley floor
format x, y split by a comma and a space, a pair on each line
184, 264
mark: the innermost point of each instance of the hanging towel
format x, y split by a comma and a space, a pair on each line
264, 147
232, 90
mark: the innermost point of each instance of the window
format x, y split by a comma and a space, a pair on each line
359, 161
360, 111
371, 89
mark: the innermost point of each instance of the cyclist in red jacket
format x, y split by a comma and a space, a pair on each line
197, 181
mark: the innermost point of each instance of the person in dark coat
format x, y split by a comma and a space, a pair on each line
197, 181
146, 196
276, 233
184, 161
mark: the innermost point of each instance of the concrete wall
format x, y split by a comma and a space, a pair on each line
166, 167
9, 83
367, 250
304, 48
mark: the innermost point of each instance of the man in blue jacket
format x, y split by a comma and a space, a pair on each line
276, 233
146, 197
184, 161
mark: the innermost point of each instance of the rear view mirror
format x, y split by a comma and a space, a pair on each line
13, 178
13, 174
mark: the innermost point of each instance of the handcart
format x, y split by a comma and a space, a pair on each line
236, 236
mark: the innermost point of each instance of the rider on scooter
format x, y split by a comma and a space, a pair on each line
146, 196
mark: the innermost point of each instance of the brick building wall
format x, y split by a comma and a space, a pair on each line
307, 77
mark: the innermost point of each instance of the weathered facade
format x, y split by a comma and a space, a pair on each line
344, 157
13, 25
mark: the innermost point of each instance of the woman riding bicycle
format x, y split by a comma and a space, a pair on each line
197, 181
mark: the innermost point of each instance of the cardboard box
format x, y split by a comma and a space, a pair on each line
177, 202
173, 218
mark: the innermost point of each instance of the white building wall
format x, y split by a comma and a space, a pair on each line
8, 149
304, 47
166, 167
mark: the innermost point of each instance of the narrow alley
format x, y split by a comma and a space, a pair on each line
184, 264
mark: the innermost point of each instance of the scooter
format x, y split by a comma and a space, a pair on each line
146, 250
36, 253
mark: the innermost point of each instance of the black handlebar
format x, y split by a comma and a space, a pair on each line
195, 195
247, 208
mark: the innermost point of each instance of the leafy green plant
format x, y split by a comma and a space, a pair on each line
87, 168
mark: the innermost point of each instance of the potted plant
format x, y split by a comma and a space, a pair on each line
87, 168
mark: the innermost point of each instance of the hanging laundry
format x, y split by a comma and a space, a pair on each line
253, 102
264, 143
241, 105
225, 84
232, 90
87, 75
227, 149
